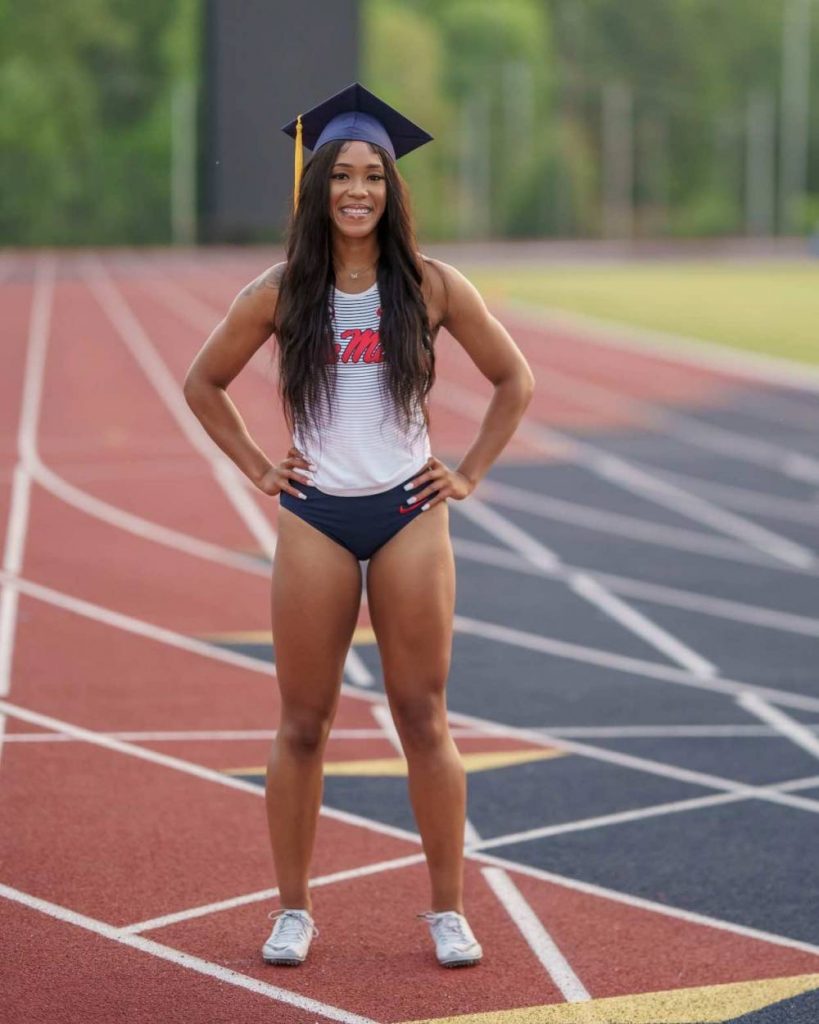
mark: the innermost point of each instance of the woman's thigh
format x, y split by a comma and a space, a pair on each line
411, 596
316, 594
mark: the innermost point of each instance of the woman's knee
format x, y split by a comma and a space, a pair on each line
304, 732
420, 720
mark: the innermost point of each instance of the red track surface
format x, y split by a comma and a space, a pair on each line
120, 839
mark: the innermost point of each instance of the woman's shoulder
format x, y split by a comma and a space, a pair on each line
269, 280
436, 284
445, 287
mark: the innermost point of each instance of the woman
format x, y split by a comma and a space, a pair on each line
355, 310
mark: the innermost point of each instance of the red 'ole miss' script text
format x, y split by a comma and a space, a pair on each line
363, 345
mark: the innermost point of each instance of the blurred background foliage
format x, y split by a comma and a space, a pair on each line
570, 118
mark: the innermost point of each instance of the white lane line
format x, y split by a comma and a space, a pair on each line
356, 670
132, 750
139, 526
633, 478
462, 624
130, 624
571, 732
684, 427
771, 408
209, 775
503, 634
639, 814
603, 754
585, 587
644, 531
250, 735
565, 882
802, 735
639, 624
774, 457
12, 562
663, 731
185, 767
489, 728
747, 500
513, 536
36, 348
654, 593
170, 392
604, 820
644, 764
265, 894
669, 347
125, 520
539, 940
471, 834
185, 960
712, 607
621, 663
383, 715
640, 903
199, 315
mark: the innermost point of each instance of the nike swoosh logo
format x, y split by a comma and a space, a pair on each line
412, 508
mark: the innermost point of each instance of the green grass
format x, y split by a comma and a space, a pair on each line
771, 308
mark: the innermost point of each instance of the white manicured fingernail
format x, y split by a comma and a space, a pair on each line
411, 500
408, 487
301, 495
425, 507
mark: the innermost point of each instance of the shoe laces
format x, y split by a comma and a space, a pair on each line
449, 922
293, 926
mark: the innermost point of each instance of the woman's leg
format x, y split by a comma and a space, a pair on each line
316, 593
411, 594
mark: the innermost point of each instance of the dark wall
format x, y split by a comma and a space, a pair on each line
264, 63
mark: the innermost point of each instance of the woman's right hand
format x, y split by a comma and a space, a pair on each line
278, 478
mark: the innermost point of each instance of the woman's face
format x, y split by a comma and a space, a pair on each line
358, 190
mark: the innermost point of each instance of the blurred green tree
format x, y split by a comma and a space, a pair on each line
85, 130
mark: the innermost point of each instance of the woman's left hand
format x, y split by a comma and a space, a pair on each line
442, 483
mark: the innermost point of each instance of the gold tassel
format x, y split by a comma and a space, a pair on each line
298, 164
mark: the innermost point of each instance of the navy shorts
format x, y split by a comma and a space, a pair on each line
362, 523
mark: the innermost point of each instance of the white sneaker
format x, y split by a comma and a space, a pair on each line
455, 944
290, 939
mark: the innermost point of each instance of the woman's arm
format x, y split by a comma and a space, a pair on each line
493, 351
245, 328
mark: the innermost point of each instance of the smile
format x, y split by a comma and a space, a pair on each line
356, 211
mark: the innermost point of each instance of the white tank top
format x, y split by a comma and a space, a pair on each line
363, 446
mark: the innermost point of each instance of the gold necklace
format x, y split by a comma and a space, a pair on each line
355, 274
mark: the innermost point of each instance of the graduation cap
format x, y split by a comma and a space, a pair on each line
353, 113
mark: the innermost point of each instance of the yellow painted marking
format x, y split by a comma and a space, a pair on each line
362, 635
480, 761
710, 1004
247, 636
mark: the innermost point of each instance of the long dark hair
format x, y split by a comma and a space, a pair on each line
302, 323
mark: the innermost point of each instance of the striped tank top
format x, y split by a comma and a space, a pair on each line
362, 447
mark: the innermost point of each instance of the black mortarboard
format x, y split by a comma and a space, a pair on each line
354, 113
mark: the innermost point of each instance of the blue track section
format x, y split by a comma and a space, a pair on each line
745, 861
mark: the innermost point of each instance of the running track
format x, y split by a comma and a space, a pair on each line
634, 686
